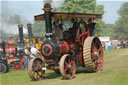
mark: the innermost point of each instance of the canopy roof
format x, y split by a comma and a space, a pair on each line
68, 15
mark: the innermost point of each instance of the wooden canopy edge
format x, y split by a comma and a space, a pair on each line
72, 15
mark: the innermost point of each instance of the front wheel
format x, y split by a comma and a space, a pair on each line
67, 66
35, 70
3, 68
18, 66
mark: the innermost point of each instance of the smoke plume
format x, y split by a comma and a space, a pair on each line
9, 21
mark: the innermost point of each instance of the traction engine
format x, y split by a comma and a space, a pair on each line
11, 53
3, 59
64, 56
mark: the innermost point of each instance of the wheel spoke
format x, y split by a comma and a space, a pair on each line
67, 71
35, 69
96, 43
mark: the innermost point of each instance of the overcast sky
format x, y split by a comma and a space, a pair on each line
29, 8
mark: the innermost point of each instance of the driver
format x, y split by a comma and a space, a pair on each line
58, 30
75, 24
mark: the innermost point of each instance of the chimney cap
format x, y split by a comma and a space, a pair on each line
20, 25
47, 5
29, 25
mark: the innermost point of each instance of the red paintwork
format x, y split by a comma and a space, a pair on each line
0, 69
17, 66
64, 47
80, 57
10, 50
22, 59
84, 35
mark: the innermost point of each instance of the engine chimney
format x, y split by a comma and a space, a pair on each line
3, 46
47, 12
30, 35
20, 27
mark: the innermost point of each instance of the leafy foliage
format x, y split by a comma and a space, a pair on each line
121, 25
38, 28
81, 6
107, 30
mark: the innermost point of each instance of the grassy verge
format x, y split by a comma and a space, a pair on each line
115, 72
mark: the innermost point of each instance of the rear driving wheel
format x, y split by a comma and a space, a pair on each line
93, 54
67, 66
35, 70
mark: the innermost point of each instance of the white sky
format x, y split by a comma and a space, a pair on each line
34, 8
59, 0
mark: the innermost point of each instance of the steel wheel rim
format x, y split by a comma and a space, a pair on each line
67, 67
97, 59
35, 69
3, 68
93, 54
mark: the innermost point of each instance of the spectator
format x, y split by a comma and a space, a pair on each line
0, 51
26, 57
33, 51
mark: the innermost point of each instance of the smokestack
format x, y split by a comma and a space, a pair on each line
20, 27
3, 46
29, 27
47, 12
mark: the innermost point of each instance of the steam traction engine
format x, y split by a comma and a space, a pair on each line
11, 53
76, 48
3, 59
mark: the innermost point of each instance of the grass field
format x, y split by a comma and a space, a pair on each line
115, 72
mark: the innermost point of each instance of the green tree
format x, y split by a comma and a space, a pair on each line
38, 28
108, 30
121, 25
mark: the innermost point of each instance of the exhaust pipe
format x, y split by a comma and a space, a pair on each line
47, 13
20, 27
30, 35
21, 38
3, 46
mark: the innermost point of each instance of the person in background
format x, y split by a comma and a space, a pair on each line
91, 26
0, 51
33, 51
26, 57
